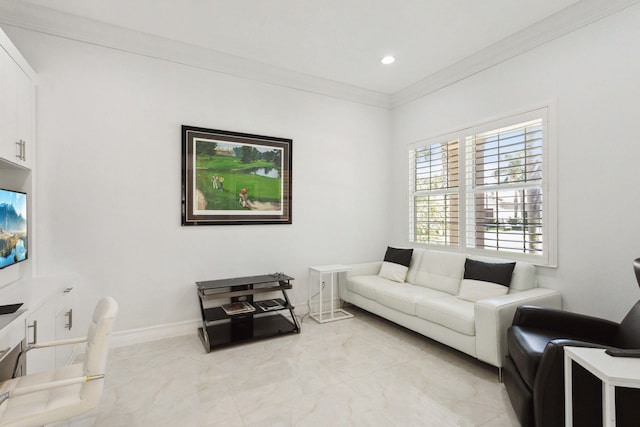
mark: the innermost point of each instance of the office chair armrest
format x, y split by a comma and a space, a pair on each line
55, 384
48, 386
55, 343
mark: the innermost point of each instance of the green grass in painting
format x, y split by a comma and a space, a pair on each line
236, 177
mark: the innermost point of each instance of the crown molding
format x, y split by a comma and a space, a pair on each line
48, 21
17, 57
570, 19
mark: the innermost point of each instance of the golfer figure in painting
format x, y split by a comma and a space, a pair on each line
244, 199
221, 183
214, 181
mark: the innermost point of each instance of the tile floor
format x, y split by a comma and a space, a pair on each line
363, 371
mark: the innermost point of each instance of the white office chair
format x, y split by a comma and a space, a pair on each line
47, 397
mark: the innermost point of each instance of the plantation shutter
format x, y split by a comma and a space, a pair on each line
434, 189
504, 191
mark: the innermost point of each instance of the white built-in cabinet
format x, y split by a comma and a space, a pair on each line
47, 311
17, 102
51, 321
17, 142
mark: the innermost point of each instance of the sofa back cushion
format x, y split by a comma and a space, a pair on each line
444, 271
475, 290
415, 264
523, 278
441, 271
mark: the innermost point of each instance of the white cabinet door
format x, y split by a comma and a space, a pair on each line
25, 106
17, 106
8, 107
65, 329
41, 329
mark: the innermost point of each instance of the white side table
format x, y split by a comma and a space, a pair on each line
612, 371
332, 313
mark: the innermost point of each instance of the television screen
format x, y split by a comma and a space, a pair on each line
13, 227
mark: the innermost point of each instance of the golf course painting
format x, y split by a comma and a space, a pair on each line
232, 178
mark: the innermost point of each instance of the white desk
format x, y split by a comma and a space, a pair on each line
332, 314
36, 294
612, 371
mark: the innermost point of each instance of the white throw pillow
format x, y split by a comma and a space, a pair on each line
393, 271
474, 290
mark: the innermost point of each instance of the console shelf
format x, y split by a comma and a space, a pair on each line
220, 329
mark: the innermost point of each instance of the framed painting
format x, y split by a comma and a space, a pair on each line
231, 178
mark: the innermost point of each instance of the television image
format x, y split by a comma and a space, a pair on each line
13, 227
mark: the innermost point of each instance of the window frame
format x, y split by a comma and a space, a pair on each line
546, 113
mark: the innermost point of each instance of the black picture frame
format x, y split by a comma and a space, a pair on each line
232, 178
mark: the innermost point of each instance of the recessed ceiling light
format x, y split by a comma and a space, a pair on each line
388, 60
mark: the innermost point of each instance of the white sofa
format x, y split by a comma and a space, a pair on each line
427, 302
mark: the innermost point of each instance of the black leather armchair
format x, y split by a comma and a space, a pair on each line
533, 370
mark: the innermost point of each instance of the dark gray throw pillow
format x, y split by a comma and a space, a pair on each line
398, 256
499, 273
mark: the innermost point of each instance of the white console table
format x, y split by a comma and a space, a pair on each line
612, 371
331, 314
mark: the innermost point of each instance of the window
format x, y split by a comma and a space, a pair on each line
485, 189
436, 196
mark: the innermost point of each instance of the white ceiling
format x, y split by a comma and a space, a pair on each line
327, 47
336, 40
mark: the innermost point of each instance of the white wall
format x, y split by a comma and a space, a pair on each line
109, 148
109, 169
593, 76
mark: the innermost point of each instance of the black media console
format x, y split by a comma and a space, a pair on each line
219, 328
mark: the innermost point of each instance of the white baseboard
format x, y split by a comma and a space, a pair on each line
159, 332
153, 333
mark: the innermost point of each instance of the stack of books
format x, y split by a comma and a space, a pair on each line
270, 304
238, 307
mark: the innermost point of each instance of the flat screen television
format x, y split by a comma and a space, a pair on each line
13, 227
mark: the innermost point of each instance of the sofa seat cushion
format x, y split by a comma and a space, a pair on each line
448, 311
367, 286
403, 298
526, 345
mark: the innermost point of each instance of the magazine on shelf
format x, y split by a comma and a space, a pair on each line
270, 304
238, 307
